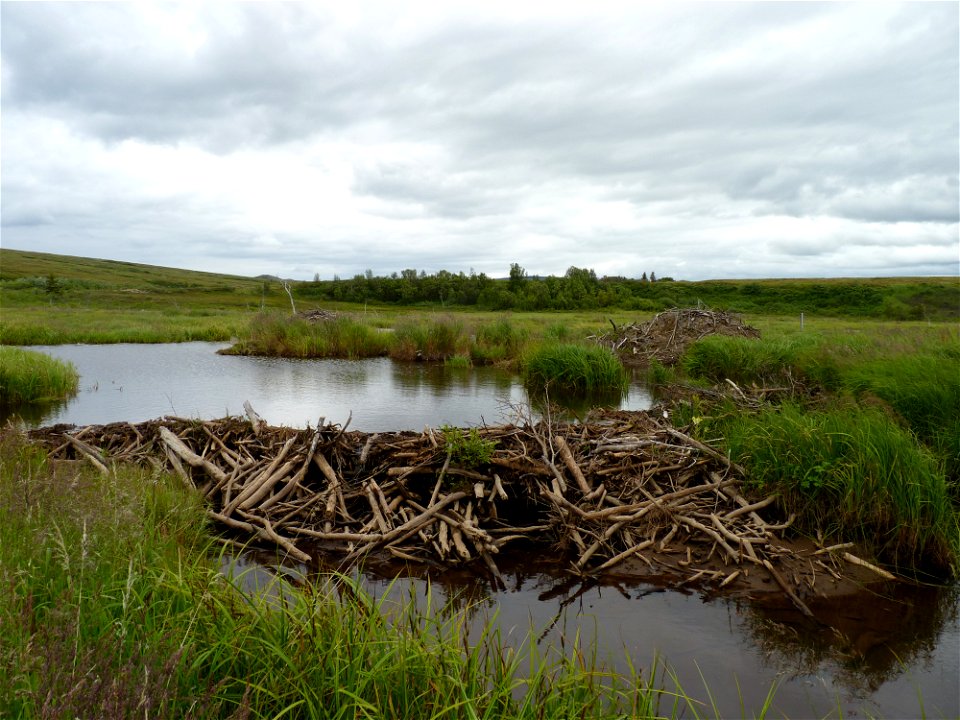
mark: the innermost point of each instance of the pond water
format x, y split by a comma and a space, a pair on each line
892, 652
142, 382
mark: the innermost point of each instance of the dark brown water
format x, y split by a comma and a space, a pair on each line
892, 652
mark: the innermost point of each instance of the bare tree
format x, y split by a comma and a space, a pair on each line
286, 286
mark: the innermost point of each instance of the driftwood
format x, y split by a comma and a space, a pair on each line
617, 487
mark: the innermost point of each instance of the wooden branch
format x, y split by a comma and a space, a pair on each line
190, 457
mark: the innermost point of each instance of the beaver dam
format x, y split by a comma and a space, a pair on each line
621, 492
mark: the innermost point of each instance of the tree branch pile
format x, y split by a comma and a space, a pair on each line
619, 486
669, 333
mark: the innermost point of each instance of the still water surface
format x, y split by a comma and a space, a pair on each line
889, 654
142, 382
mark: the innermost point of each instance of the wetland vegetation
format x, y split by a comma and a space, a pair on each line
112, 605
28, 377
851, 417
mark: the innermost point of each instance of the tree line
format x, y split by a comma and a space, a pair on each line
578, 288
581, 289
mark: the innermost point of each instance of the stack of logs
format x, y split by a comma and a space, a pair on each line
619, 485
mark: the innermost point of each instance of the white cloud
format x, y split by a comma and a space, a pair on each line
712, 140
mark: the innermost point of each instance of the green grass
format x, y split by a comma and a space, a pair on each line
766, 362
852, 473
568, 368
27, 376
500, 341
428, 339
867, 445
112, 605
278, 334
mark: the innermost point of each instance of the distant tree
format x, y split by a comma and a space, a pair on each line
316, 277
644, 278
52, 285
653, 276
517, 277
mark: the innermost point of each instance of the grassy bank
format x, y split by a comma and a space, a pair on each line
111, 605
32, 377
858, 434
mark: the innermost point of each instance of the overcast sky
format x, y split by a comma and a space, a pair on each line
693, 140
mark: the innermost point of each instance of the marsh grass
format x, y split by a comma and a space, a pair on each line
500, 341
767, 362
27, 376
851, 472
569, 368
282, 335
430, 339
57, 326
924, 390
112, 605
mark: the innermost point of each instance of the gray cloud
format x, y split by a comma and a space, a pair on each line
708, 140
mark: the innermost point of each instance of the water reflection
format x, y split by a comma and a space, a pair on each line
141, 382
872, 653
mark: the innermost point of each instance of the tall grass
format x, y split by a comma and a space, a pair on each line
574, 369
434, 339
764, 362
27, 376
283, 335
924, 390
111, 605
498, 342
854, 473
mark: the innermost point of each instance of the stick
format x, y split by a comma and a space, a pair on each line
256, 422
190, 457
89, 453
616, 559
571, 464
408, 528
863, 563
801, 606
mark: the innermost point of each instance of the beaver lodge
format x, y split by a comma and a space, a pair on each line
620, 493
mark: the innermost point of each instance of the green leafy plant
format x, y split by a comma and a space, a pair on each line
468, 449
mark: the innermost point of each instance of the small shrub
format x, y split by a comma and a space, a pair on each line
467, 450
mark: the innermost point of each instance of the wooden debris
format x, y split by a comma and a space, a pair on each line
668, 334
598, 493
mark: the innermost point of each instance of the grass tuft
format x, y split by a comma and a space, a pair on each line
574, 369
27, 376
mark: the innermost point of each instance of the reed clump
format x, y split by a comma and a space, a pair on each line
569, 368
498, 342
282, 335
429, 340
28, 376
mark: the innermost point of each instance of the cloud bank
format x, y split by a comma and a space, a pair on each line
694, 140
